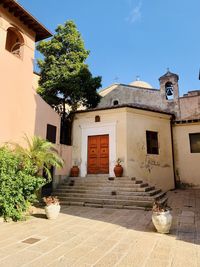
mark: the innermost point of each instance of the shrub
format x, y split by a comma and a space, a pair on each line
18, 184
42, 154
20, 175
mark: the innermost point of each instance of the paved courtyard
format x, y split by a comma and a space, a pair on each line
84, 237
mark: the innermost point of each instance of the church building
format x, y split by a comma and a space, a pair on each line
155, 133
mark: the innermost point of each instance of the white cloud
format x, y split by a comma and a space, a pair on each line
135, 13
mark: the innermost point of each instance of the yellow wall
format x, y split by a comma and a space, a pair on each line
107, 116
187, 163
131, 126
155, 169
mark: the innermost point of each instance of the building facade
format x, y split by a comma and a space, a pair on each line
154, 132
22, 110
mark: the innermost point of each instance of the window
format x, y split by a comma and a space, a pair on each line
152, 142
115, 102
97, 118
194, 142
51, 133
14, 42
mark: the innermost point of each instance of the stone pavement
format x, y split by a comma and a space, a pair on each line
83, 237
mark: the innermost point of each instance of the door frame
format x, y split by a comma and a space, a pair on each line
98, 128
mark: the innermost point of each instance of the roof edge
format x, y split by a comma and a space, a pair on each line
26, 18
127, 106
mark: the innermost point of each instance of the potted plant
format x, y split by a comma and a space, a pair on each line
74, 170
161, 217
118, 169
52, 207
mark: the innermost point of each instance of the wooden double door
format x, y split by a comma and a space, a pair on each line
98, 154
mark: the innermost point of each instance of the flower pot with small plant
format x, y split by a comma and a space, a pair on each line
74, 170
161, 217
52, 207
118, 169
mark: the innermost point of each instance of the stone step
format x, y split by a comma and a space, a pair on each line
102, 177
96, 185
103, 180
122, 189
111, 196
111, 206
120, 180
108, 191
117, 192
84, 201
162, 200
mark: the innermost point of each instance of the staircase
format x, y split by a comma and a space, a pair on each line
109, 192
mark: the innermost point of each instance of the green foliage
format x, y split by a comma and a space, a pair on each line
20, 175
65, 78
18, 184
42, 154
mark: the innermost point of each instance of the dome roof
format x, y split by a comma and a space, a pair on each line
139, 83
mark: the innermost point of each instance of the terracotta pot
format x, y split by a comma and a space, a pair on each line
74, 171
52, 211
118, 170
162, 221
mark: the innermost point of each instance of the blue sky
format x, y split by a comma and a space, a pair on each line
127, 38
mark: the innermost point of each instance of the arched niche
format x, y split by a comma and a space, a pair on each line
14, 42
169, 90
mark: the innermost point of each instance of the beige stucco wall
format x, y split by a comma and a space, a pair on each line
131, 126
187, 163
155, 169
117, 116
22, 110
128, 94
189, 107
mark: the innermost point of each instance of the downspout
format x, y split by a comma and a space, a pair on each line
173, 159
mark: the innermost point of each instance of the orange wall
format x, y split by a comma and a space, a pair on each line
22, 110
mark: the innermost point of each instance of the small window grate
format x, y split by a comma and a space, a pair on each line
115, 102
97, 118
194, 142
152, 142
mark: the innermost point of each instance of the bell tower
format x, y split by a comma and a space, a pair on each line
169, 86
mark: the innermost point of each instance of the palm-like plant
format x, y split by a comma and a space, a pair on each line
42, 154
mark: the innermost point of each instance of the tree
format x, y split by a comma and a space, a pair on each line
65, 77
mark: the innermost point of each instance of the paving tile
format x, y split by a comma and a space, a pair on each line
109, 260
187, 213
157, 263
186, 219
88, 237
19, 259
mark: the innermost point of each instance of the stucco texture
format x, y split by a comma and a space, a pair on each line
22, 110
131, 127
187, 163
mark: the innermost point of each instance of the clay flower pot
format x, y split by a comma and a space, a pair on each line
74, 171
118, 170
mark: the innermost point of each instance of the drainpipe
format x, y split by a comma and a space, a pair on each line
173, 160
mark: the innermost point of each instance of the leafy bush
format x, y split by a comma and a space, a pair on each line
18, 184
20, 175
42, 154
